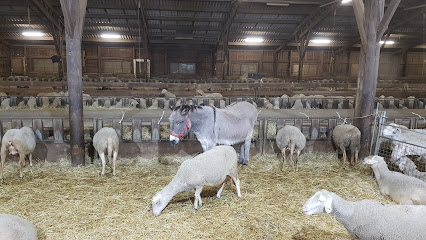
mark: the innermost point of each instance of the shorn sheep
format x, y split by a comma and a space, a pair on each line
209, 168
106, 141
401, 188
368, 219
18, 141
347, 136
16, 228
290, 138
200, 92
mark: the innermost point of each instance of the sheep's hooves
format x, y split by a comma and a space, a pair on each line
194, 211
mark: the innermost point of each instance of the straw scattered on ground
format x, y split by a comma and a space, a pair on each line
67, 202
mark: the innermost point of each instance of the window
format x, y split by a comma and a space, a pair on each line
185, 68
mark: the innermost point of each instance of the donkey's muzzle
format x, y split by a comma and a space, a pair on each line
174, 140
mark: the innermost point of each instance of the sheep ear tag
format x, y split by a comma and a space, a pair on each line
156, 198
327, 205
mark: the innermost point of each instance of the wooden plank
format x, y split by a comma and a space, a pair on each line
331, 124
116, 124
1, 130
315, 128
58, 130
384, 23
38, 127
298, 123
155, 130
280, 124
137, 130
16, 123
413, 123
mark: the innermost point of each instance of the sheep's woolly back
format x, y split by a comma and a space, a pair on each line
347, 134
23, 140
209, 168
291, 134
369, 219
16, 228
100, 140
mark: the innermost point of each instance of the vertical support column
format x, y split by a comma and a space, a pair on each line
74, 12
38, 128
58, 130
275, 64
137, 132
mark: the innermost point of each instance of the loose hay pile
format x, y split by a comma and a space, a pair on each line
75, 203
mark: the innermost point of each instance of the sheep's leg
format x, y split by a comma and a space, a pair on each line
343, 149
114, 158
31, 159
237, 185
3, 158
356, 156
283, 153
102, 156
197, 199
21, 164
291, 155
220, 190
297, 158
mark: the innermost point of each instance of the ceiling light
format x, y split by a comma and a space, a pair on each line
254, 40
278, 4
110, 36
321, 41
387, 42
346, 1
33, 34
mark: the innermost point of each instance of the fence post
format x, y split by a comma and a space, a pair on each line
58, 130
136, 127
381, 123
16, 123
118, 128
315, 129
38, 128
331, 124
155, 130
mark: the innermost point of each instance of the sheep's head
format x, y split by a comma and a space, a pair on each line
392, 130
199, 92
163, 91
12, 149
319, 203
373, 160
159, 203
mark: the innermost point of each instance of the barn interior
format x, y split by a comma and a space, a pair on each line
69, 68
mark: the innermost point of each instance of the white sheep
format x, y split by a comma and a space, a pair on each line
200, 92
5, 103
167, 94
32, 103
18, 141
403, 140
409, 168
290, 138
106, 141
209, 168
368, 219
347, 136
401, 188
16, 228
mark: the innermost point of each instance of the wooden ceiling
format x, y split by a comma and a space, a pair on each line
203, 23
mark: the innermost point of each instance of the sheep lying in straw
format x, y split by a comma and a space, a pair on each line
409, 168
167, 94
209, 168
16, 228
18, 141
368, 219
401, 188
347, 136
290, 138
200, 92
106, 141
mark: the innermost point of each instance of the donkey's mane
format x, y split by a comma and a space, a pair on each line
185, 108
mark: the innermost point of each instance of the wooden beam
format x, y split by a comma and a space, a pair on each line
75, 11
406, 48
390, 11
49, 12
358, 6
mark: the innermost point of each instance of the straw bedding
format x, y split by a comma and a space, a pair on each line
67, 202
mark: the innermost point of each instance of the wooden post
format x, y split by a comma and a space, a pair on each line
275, 64
371, 22
74, 12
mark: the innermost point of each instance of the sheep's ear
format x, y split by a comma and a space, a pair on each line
327, 205
9, 142
156, 198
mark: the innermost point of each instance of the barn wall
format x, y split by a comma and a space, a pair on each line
34, 61
4, 60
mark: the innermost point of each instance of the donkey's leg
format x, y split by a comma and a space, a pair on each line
242, 152
246, 150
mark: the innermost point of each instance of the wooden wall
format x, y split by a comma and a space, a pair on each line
34, 61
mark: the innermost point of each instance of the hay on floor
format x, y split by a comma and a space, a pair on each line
67, 202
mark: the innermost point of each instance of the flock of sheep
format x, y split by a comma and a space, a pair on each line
365, 219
